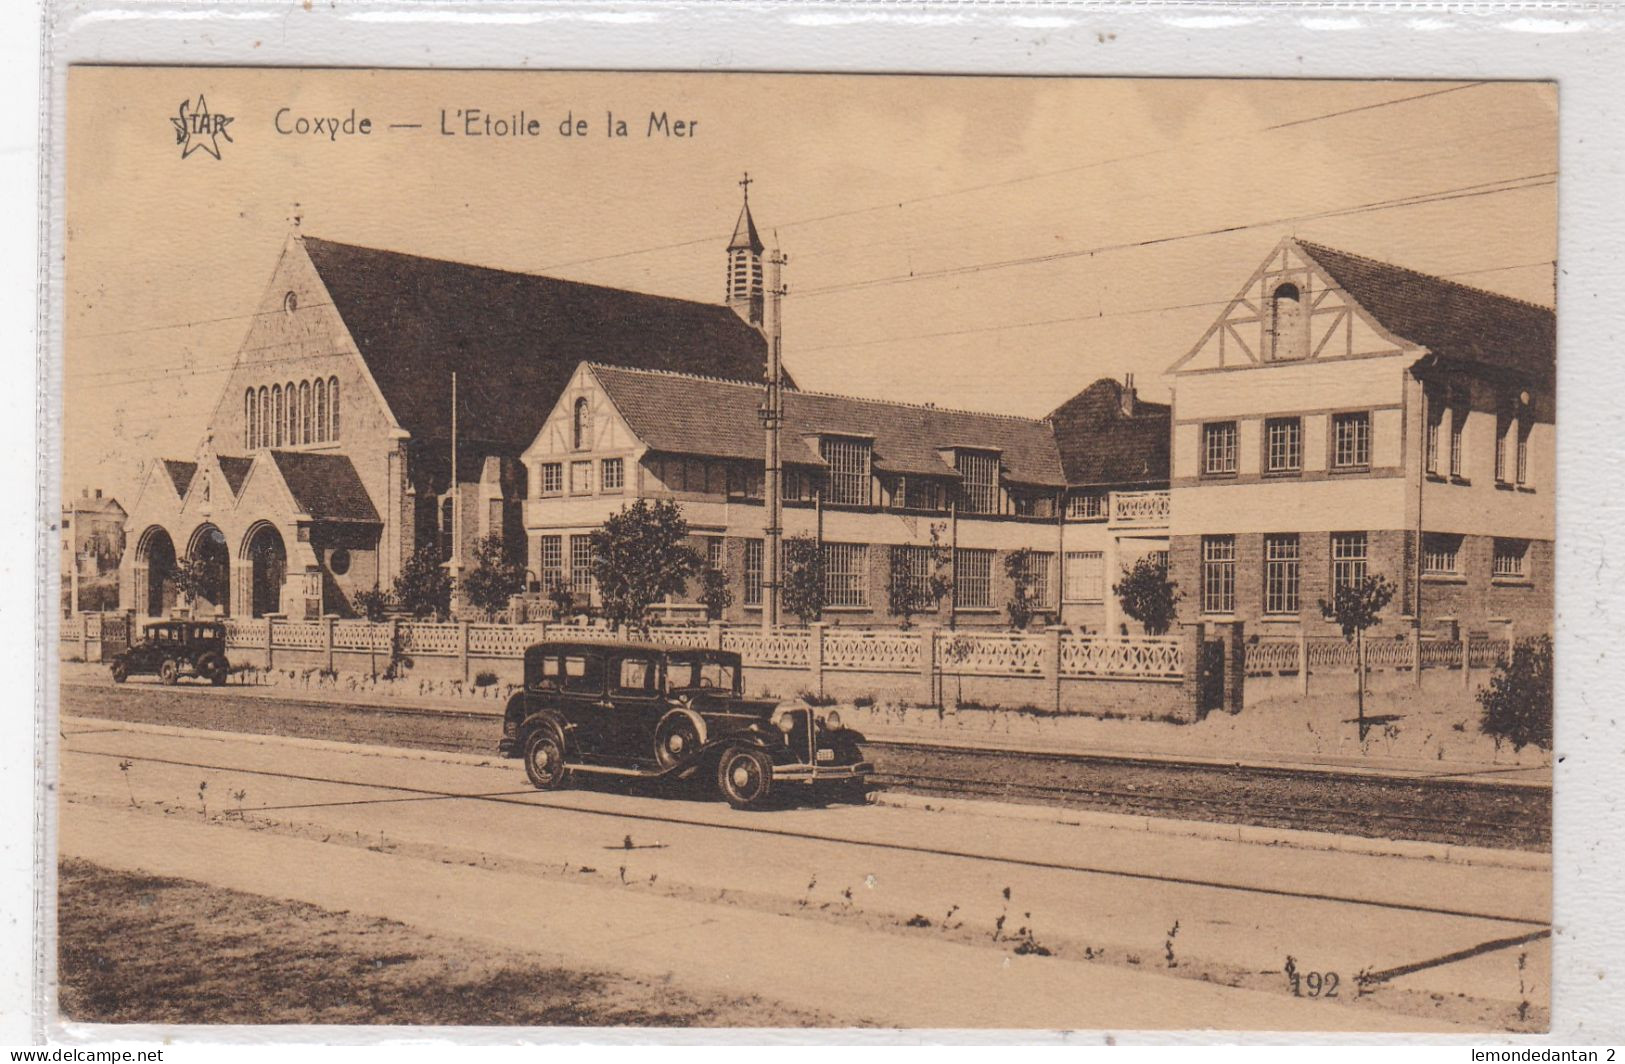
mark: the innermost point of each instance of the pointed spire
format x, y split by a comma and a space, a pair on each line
745, 237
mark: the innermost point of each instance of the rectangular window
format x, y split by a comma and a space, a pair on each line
1523, 452
552, 478
581, 565
1283, 437
580, 478
1281, 573
1440, 553
753, 572
1085, 576
1509, 557
1033, 504
1351, 440
1218, 574
611, 474
1086, 506
1348, 559
918, 493
979, 481
846, 574
713, 553
848, 475
552, 561
637, 677
1435, 415
1502, 427
744, 482
1458, 456
973, 579
1037, 575
1219, 448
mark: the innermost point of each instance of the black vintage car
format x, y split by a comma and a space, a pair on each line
656, 711
172, 649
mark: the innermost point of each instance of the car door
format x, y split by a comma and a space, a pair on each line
634, 688
581, 699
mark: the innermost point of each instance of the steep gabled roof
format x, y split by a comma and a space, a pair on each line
1453, 321
180, 474
745, 232
1100, 444
513, 339
686, 414
235, 469
325, 486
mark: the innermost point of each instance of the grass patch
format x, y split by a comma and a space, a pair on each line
142, 949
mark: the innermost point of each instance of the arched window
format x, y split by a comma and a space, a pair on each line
333, 407
264, 424
277, 418
248, 419
304, 412
1289, 336
582, 430
321, 411
292, 397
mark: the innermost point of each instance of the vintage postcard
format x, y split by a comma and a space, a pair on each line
812, 551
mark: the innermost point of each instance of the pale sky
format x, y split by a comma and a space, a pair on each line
986, 243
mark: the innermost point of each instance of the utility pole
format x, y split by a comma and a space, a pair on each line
455, 562
772, 415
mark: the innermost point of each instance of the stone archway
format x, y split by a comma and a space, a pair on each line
208, 548
268, 569
156, 593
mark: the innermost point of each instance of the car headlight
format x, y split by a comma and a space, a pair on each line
833, 720
785, 720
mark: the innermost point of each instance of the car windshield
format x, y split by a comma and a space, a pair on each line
699, 672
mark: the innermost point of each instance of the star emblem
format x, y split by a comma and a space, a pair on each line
196, 128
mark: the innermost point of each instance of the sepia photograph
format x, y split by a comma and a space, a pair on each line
819, 551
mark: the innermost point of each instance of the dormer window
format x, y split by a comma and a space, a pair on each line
581, 425
1288, 336
848, 479
979, 481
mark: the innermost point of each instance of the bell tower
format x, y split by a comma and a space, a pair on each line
745, 264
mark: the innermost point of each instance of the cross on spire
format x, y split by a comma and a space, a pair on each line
745, 183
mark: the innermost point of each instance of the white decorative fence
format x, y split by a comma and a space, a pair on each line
1413, 654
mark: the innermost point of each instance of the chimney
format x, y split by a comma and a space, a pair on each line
1128, 395
98, 493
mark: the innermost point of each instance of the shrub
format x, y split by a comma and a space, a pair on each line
1021, 607
1148, 595
1518, 701
371, 603
424, 586
495, 577
715, 595
803, 578
485, 678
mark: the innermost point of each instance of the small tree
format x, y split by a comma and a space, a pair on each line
372, 603
1148, 595
909, 590
1354, 608
1021, 607
639, 557
424, 587
715, 595
803, 578
1518, 702
563, 597
495, 578
199, 578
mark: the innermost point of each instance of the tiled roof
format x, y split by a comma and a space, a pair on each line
1100, 445
235, 469
180, 474
1453, 321
325, 486
513, 339
685, 414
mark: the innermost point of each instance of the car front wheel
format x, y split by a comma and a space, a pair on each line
213, 668
676, 739
544, 761
169, 671
745, 777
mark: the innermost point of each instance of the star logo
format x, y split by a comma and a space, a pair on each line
196, 129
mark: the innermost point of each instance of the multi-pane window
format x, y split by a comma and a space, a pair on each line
1348, 559
979, 481
744, 481
1086, 506
552, 478
847, 482
1219, 447
713, 553
1440, 552
581, 565
1281, 573
973, 579
1458, 454
918, 493
1435, 417
1085, 576
580, 478
581, 425
612, 474
552, 561
1218, 574
1283, 445
1503, 426
1351, 440
753, 572
1523, 452
846, 574
1036, 574
1509, 557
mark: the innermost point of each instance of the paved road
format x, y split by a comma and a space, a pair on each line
1446, 811
897, 916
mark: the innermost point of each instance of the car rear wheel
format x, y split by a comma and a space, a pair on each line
675, 740
745, 777
213, 668
121, 671
169, 671
544, 761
